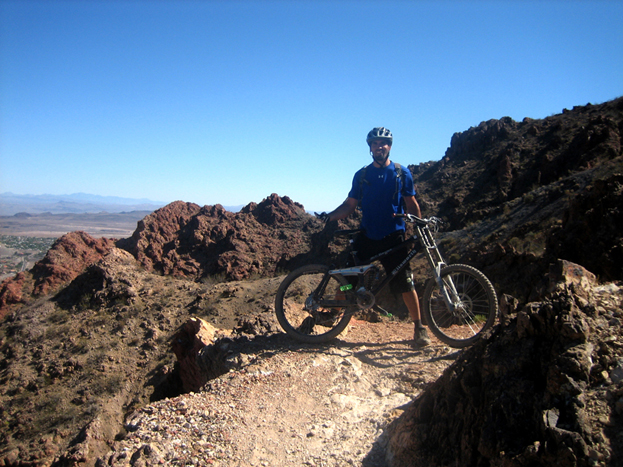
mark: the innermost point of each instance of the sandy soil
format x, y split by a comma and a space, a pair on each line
291, 404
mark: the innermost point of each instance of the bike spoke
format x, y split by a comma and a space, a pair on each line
471, 310
299, 305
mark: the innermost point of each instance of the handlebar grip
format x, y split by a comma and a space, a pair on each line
432, 221
412, 218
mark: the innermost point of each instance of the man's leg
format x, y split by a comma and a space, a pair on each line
420, 335
403, 283
413, 305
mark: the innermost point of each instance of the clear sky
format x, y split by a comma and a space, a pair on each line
229, 101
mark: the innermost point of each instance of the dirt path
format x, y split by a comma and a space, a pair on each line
291, 405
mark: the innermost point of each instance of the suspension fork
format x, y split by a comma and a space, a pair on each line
437, 263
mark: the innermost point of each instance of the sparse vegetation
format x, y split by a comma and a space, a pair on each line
102, 344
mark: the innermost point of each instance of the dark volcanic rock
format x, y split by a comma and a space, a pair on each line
501, 160
516, 196
591, 229
529, 395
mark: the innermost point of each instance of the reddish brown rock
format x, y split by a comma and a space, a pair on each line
276, 210
11, 292
157, 233
69, 256
184, 239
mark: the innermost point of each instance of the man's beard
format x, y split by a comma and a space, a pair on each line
380, 158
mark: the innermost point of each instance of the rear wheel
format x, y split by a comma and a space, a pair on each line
474, 307
298, 311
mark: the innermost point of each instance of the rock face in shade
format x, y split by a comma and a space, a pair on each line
543, 390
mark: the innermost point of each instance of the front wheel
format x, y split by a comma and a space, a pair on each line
297, 304
473, 305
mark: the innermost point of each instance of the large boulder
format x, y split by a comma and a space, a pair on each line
547, 389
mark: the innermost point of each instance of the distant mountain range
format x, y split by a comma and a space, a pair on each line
11, 203
78, 203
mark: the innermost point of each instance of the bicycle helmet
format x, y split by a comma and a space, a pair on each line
379, 133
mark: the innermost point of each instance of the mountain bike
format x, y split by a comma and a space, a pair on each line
315, 303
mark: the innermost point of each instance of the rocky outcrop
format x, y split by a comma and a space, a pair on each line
590, 233
184, 239
544, 390
501, 160
11, 292
157, 234
194, 337
275, 210
113, 279
516, 196
67, 258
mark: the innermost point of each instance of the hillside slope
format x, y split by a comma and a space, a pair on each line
518, 195
87, 333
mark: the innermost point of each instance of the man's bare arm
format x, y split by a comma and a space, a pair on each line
412, 206
344, 210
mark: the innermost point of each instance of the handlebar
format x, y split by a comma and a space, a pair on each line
434, 222
418, 220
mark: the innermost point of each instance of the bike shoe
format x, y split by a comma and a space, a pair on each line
420, 337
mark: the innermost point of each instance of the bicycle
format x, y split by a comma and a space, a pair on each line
315, 303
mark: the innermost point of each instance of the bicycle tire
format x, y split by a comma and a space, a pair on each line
476, 310
312, 327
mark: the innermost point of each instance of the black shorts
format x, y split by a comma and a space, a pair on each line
366, 248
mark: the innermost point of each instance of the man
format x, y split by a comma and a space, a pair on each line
380, 189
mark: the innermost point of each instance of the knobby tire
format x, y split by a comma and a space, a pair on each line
310, 326
476, 311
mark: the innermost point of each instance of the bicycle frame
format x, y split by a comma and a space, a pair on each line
361, 270
315, 303
425, 238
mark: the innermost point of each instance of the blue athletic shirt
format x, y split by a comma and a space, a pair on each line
379, 202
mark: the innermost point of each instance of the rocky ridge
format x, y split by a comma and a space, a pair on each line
183, 239
188, 241
87, 335
516, 196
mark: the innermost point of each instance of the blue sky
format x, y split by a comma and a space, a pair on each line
229, 101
